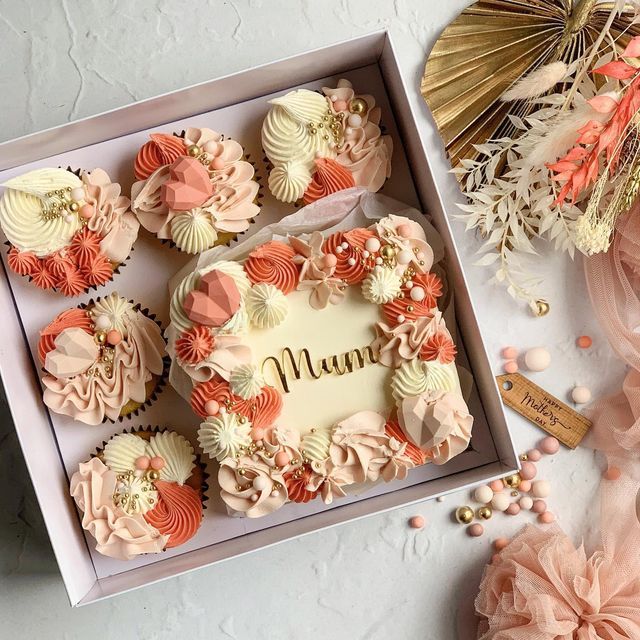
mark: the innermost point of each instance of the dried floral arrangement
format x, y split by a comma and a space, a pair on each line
565, 163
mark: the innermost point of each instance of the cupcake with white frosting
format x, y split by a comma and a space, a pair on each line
320, 143
195, 190
142, 493
66, 231
102, 361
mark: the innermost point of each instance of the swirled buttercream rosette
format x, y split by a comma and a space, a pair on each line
142, 493
67, 231
264, 461
319, 143
196, 190
102, 361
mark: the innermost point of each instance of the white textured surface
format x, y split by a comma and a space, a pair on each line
372, 579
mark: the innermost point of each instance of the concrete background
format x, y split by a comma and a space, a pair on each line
66, 59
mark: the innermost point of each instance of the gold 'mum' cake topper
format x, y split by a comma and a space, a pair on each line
287, 365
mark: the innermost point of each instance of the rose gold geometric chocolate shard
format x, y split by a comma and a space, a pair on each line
189, 186
215, 301
75, 351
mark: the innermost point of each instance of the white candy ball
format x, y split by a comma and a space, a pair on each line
102, 322
537, 359
500, 502
483, 494
210, 147
372, 244
348, 131
379, 260
408, 284
400, 319
351, 261
541, 489
354, 120
581, 395
404, 257
77, 194
526, 502
417, 294
68, 218
260, 483
254, 497
338, 249
365, 254
345, 245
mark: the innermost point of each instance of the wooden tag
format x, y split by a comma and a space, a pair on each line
543, 409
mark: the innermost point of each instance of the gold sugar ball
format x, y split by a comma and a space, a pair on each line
73, 206
388, 251
464, 515
541, 308
485, 513
101, 337
153, 474
193, 150
359, 106
512, 481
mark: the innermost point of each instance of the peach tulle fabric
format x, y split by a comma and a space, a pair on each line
541, 587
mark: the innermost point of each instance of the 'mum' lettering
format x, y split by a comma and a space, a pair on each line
288, 366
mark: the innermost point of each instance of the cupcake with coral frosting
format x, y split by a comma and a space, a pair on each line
66, 232
102, 361
321, 143
142, 493
195, 190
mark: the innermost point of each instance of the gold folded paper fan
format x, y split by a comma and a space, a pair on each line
491, 45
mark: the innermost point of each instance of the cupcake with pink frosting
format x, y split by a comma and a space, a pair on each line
320, 143
102, 361
67, 231
142, 493
195, 190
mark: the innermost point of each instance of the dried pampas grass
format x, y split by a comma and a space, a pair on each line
537, 83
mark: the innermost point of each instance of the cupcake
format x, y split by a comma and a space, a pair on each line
101, 361
142, 493
320, 143
67, 232
194, 190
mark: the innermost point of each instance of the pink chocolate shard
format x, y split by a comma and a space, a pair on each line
214, 302
189, 186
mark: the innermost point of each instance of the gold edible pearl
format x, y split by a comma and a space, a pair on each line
193, 150
464, 515
541, 308
387, 251
485, 513
100, 337
512, 481
73, 206
153, 474
359, 106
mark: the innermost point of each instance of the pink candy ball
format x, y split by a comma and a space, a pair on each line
509, 353
330, 260
142, 463
157, 463
550, 445
525, 486
539, 506
528, 470
114, 337
86, 211
475, 530
546, 518
496, 486
500, 543
340, 105
416, 522
511, 366
612, 473
217, 164
282, 459
525, 503
404, 230
534, 455
211, 407
513, 509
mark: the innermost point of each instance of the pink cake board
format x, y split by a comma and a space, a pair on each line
54, 445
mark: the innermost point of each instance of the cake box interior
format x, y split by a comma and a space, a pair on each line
235, 109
